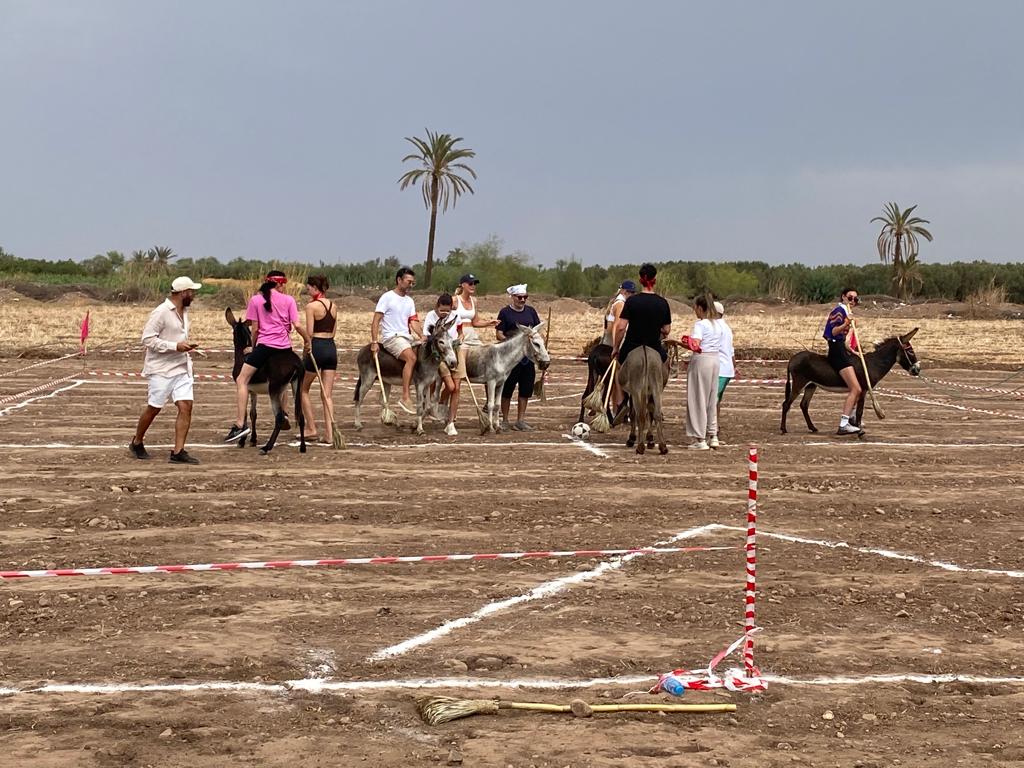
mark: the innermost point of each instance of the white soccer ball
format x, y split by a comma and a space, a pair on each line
580, 430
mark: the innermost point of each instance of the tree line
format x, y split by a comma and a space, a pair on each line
143, 273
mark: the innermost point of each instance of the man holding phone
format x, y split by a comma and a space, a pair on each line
168, 368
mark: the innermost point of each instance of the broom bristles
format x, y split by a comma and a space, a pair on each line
436, 710
594, 400
600, 423
337, 439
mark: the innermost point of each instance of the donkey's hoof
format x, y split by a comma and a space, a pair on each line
264, 451
640, 448
813, 429
631, 442
662, 449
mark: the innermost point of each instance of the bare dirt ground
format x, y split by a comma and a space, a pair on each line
932, 480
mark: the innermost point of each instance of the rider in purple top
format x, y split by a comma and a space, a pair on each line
837, 328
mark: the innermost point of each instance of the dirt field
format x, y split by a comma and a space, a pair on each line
931, 481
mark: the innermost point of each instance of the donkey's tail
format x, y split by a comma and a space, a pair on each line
359, 383
300, 417
789, 383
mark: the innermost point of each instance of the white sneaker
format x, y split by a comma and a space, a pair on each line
700, 445
848, 429
450, 429
713, 442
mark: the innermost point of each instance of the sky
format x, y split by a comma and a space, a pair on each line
608, 132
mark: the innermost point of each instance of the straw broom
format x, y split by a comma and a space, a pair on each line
595, 399
387, 416
443, 709
867, 377
601, 422
337, 439
538, 390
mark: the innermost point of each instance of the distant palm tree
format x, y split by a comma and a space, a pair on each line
898, 243
162, 256
441, 184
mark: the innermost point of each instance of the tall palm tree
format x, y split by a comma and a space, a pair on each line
898, 243
439, 178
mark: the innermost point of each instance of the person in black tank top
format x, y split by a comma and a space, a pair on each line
323, 351
645, 320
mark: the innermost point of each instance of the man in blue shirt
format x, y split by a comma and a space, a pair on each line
524, 374
837, 327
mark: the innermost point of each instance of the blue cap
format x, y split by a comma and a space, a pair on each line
628, 285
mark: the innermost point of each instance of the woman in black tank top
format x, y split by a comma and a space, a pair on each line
321, 319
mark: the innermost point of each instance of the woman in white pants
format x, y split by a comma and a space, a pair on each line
704, 341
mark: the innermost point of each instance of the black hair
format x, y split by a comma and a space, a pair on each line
268, 286
846, 291
445, 300
319, 282
402, 272
648, 271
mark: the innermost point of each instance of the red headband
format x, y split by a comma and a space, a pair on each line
648, 282
279, 279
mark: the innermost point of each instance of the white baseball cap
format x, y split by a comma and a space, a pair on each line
184, 284
719, 308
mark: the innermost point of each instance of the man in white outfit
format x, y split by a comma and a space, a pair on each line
396, 326
168, 369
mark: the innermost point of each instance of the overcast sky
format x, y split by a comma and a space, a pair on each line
612, 131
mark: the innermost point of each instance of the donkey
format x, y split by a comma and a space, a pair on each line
808, 370
436, 349
490, 365
283, 368
642, 378
600, 358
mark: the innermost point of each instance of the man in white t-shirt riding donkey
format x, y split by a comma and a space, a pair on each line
395, 327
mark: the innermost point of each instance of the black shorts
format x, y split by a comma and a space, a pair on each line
261, 354
325, 352
839, 356
523, 375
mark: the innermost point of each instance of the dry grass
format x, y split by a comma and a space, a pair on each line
770, 331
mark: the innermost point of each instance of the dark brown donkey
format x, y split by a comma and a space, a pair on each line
808, 370
283, 368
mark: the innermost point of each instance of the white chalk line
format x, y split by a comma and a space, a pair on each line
31, 400
547, 589
586, 446
894, 444
891, 554
319, 685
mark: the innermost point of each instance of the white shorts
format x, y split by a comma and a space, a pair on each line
396, 345
173, 388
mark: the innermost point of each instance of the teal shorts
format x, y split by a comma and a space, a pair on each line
723, 382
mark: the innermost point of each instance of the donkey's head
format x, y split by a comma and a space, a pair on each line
241, 336
907, 357
439, 344
535, 347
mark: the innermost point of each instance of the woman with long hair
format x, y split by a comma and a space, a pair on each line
468, 322
705, 341
321, 318
273, 314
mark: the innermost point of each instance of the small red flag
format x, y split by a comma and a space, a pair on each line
85, 332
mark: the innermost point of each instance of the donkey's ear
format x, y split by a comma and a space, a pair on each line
538, 327
230, 317
910, 335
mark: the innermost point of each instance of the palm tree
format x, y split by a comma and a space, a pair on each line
162, 256
439, 178
898, 243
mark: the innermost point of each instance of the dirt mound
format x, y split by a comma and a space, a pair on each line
351, 303
679, 310
9, 295
566, 306
79, 299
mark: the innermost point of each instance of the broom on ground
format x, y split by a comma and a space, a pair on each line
867, 376
595, 399
485, 421
387, 416
601, 422
337, 439
443, 709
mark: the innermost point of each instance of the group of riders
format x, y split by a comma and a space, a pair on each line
634, 318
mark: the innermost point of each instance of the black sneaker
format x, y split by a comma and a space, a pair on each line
138, 450
182, 457
237, 433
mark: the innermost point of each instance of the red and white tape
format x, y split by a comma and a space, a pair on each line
34, 390
340, 561
954, 406
39, 364
134, 375
749, 678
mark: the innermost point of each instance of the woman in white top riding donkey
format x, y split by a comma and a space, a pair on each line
468, 321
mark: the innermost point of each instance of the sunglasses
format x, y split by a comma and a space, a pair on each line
854, 299
524, 296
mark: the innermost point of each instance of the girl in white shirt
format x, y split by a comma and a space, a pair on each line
468, 322
705, 341
726, 358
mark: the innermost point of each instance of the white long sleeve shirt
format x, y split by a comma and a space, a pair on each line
164, 329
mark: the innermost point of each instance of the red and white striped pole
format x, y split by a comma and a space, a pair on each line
751, 587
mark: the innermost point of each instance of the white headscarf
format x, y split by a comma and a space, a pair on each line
517, 290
